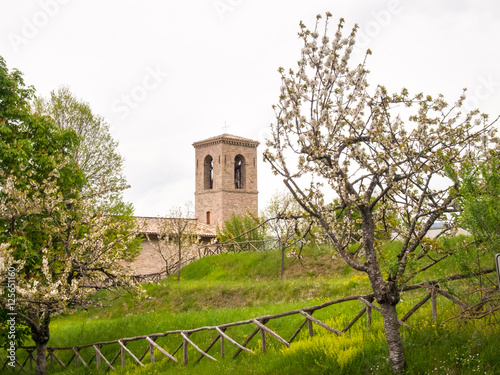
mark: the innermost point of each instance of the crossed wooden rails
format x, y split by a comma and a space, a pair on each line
157, 276
222, 335
234, 247
207, 250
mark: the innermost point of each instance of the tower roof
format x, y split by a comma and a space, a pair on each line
227, 138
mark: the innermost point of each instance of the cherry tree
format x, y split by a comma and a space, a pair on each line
385, 158
60, 250
61, 238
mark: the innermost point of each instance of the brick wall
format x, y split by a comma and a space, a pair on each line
224, 198
150, 261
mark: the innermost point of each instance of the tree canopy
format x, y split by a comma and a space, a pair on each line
97, 153
58, 240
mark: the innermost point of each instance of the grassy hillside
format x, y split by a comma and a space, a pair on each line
233, 287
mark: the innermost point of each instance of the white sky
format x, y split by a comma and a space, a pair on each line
168, 73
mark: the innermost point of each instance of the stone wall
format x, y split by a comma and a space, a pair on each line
150, 261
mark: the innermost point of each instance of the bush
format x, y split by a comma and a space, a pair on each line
240, 228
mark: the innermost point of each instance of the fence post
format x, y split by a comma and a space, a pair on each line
222, 352
97, 357
185, 350
122, 354
368, 317
152, 353
434, 303
263, 339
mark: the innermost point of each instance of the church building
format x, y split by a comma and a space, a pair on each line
226, 178
225, 182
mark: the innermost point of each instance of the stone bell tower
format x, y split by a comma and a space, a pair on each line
226, 178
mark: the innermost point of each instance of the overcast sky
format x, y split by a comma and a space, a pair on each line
168, 73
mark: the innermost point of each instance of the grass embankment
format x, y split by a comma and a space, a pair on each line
234, 287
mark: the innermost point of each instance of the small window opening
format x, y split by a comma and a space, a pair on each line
239, 172
209, 172
208, 217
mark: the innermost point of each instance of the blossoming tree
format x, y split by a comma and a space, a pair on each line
59, 243
62, 251
384, 157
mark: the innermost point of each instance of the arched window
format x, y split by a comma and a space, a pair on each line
209, 172
239, 172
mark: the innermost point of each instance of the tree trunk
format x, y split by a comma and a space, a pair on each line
179, 264
393, 337
386, 294
282, 273
39, 323
41, 360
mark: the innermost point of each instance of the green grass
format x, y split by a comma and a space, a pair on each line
430, 349
234, 287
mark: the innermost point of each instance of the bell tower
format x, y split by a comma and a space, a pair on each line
226, 178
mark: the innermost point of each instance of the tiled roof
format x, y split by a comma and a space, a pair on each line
227, 138
152, 225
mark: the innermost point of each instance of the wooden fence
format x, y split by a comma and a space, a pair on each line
181, 340
207, 250
156, 277
235, 247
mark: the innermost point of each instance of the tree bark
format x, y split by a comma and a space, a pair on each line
39, 325
282, 273
393, 337
41, 360
386, 294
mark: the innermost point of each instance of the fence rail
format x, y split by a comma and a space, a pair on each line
157, 276
235, 247
184, 339
207, 250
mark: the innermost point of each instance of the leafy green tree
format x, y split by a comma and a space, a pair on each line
97, 152
480, 216
61, 249
31, 144
56, 240
241, 228
479, 201
384, 156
